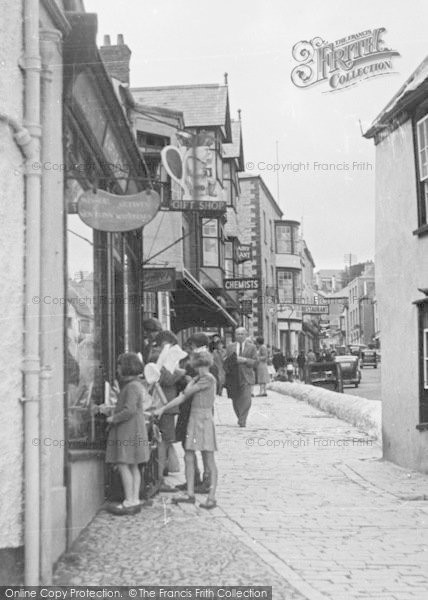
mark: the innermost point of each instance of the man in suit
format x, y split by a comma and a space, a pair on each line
240, 361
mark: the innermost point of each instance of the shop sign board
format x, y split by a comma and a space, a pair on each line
247, 306
159, 280
315, 309
193, 166
110, 212
244, 253
242, 284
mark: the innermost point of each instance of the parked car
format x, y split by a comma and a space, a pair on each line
369, 358
325, 374
350, 367
357, 349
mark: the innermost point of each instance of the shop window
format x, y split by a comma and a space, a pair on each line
423, 361
83, 376
210, 243
422, 147
229, 264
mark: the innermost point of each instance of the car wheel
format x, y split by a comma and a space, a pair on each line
357, 384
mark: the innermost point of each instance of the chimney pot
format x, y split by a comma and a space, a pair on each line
107, 40
120, 40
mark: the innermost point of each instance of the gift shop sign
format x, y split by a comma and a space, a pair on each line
110, 212
344, 62
193, 166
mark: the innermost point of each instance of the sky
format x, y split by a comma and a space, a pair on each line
195, 41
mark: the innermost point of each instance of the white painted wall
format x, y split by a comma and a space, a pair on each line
401, 268
12, 277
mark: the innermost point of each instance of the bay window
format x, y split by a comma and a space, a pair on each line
289, 285
286, 238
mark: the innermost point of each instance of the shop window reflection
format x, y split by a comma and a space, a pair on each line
83, 365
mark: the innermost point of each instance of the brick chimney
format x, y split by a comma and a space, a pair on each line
116, 58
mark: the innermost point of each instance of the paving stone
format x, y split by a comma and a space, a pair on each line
309, 520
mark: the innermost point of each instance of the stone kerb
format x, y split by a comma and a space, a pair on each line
362, 413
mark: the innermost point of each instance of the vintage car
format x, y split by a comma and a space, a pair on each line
356, 349
326, 374
369, 358
350, 367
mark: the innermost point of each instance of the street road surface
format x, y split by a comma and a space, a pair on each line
370, 384
305, 504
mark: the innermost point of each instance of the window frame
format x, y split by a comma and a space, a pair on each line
423, 363
420, 116
231, 258
207, 236
296, 289
293, 238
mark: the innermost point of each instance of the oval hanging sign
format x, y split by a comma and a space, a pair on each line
110, 212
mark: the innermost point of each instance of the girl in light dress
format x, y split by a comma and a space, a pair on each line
200, 434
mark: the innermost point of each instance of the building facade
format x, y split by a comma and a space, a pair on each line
400, 134
359, 308
75, 288
257, 214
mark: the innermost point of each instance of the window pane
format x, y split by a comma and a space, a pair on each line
283, 239
285, 286
425, 358
425, 200
228, 268
228, 250
210, 252
82, 354
422, 129
209, 227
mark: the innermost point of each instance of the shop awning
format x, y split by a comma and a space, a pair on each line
195, 307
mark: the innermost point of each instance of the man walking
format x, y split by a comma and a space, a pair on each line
241, 358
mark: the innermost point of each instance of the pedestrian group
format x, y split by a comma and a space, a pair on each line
166, 395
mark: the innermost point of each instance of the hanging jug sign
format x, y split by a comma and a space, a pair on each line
114, 213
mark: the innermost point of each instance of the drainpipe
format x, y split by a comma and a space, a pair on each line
31, 363
52, 189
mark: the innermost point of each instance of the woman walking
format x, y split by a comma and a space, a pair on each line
127, 443
200, 434
263, 376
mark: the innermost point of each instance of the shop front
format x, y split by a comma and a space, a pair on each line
103, 307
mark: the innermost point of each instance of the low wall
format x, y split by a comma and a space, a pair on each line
362, 413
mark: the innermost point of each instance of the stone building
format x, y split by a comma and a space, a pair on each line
258, 212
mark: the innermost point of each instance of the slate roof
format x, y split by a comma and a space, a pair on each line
205, 105
233, 150
407, 94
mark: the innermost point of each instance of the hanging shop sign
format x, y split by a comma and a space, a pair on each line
247, 306
159, 280
289, 311
193, 166
315, 309
245, 283
110, 212
244, 253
